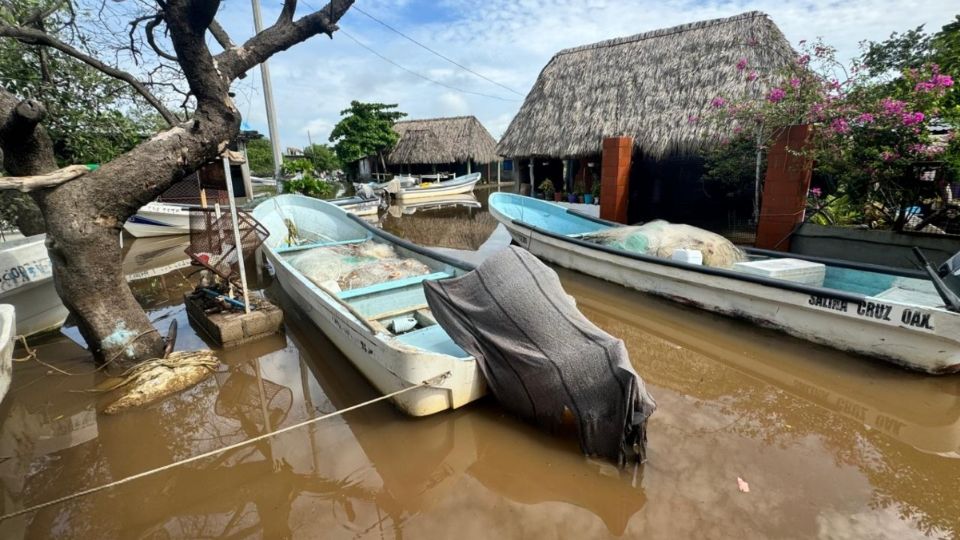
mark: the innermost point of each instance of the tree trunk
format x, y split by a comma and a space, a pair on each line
26, 150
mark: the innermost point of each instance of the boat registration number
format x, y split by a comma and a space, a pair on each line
15, 276
877, 311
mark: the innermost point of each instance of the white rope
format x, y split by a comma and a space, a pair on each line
428, 382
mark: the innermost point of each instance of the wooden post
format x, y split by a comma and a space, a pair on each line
785, 189
468, 166
499, 167
532, 187
615, 178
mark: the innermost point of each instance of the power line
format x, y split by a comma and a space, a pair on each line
424, 77
441, 55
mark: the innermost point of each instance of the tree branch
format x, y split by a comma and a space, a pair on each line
26, 184
31, 36
286, 14
280, 37
151, 39
221, 36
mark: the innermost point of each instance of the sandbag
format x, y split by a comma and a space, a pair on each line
660, 239
542, 359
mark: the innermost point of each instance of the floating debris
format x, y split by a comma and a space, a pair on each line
156, 379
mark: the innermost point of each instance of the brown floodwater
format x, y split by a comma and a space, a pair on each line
831, 445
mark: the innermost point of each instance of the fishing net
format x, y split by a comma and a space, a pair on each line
353, 266
541, 357
661, 238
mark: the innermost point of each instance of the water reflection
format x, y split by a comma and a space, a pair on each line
832, 445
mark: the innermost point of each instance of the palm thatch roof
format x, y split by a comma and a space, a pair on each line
453, 139
420, 146
651, 86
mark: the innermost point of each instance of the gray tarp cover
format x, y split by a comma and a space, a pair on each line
540, 355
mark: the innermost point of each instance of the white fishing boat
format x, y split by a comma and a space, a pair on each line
460, 184
466, 200
159, 219
8, 332
385, 328
390, 186
901, 316
26, 282
366, 202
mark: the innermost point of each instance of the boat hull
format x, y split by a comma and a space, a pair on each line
28, 286
8, 331
442, 189
159, 219
384, 360
834, 323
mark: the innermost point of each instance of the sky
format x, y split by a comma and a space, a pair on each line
507, 41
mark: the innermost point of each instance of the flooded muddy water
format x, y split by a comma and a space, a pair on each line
831, 445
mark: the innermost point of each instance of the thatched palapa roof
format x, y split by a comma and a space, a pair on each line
649, 86
443, 140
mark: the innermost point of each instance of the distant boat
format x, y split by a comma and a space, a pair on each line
365, 203
160, 219
385, 329
466, 200
8, 332
390, 186
460, 184
26, 282
887, 313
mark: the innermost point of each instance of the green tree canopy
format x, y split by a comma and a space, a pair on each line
260, 157
366, 129
323, 157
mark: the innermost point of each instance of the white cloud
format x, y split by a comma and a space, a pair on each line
509, 41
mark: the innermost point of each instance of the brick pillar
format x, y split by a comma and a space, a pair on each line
784, 189
615, 178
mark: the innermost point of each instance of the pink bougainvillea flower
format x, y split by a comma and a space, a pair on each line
795, 83
840, 126
888, 155
816, 192
804, 60
752, 76
866, 118
718, 102
910, 119
692, 119
741, 64
942, 81
776, 95
893, 107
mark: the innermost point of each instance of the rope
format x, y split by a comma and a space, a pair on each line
428, 382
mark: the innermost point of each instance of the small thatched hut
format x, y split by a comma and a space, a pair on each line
457, 145
651, 87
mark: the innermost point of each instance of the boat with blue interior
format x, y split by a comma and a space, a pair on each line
363, 288
904, 316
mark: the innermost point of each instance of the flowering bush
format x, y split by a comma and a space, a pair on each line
876, 136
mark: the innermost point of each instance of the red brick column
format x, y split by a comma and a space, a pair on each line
784, 189
615, 178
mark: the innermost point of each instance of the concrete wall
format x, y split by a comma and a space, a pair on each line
877, 247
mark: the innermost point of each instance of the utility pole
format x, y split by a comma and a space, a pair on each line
268, 99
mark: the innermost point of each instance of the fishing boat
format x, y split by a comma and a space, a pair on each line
160, 219
390, 186
384, 328
460, 184
366, 202
8, 332
466, 200
26, 282
898, 315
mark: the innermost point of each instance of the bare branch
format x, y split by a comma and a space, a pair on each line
27, 184
221, 36
41, 14
31, 36
286, 14
151, 39
280, 37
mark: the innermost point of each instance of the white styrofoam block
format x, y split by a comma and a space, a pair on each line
796, 270
692, 256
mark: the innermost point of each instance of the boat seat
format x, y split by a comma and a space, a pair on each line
434, 339
326, 243
390, 296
